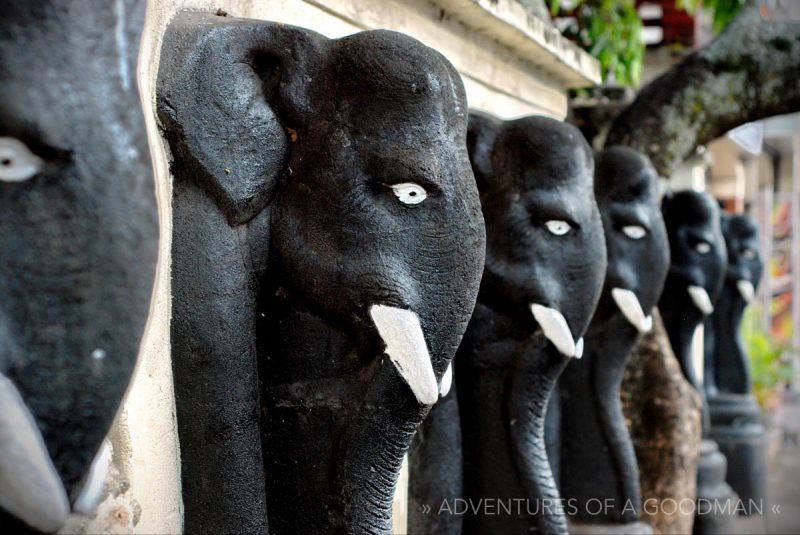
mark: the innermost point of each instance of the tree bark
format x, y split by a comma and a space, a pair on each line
748, 73
662, 411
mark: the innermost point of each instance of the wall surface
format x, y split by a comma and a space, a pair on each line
509, 73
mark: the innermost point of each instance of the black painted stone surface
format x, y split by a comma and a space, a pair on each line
699, 258
727, 367
78, 234
530, 171
717, 503
597, 459
289, 149
735, 418
436, 478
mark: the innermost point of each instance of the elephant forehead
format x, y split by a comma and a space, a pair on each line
53, 86
690, 209
421, 138
740, 228
376, 67
623, 174
387, 85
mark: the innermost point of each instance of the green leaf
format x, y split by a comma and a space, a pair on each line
610, 30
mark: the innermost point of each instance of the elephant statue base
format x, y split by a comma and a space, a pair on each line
715, 513
631, 528
736, 427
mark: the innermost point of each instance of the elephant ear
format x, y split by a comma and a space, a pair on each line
481, 133
227, 92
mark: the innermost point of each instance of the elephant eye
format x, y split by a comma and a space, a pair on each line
409, 192
749, 254
703, 247
634, 232
17, 162
557, 227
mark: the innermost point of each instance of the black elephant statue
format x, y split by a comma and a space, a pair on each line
727, 368
78, 246
696, 273
597, 458
545, 264
327, 251
734, 415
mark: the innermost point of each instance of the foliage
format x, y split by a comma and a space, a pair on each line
610, 30
770, 363
722, 11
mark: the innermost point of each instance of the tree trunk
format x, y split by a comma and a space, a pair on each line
663, 414
748, 73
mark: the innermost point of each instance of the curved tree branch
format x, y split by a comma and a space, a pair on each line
748, 73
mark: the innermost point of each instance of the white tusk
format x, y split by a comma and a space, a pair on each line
95, 482
746, 289
30, 487
629, 304
700, 299
405, 345
555, 328
579, 348
447, 381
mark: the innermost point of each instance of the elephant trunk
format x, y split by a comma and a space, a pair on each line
334, 442
379, 439
606, 384
730, 364
681, 318
598, 460
530, 381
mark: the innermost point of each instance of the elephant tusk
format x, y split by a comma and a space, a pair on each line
30, 487
447, 381
95, 482
579, 348
701, 299
405, 344
555, 329
746, 289
629, 304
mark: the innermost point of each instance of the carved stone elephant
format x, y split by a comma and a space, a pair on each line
727, 367
696, 275
78, 240
735, 418
597, 459
697, 270
545, 264
327, 251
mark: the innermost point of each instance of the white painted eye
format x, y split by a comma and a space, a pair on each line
17, 162
749, 254
557, 227
409, 193
703, 247
634, 232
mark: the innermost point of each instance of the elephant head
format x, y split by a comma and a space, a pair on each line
626, 187
727, 368
78, 237
696, 273
597, 459
342, 167
545, 263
